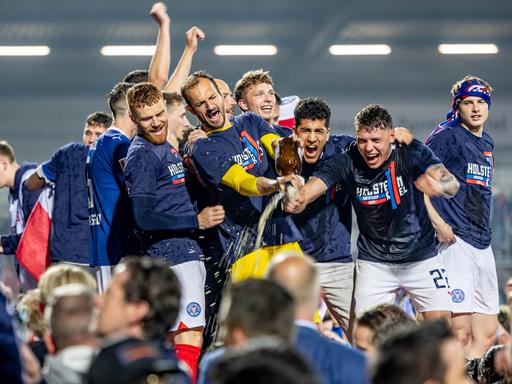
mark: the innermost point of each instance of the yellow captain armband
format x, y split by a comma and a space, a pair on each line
266, 141
241, 181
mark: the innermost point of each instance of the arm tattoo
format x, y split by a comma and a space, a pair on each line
448, 181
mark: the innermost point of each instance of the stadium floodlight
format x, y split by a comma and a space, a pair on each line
359, 49
468, 49
24, 50
245, 50
128, 50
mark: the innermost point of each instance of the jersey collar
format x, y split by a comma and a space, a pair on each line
226, 126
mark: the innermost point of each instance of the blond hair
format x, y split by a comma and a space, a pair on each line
63, 274
249, 79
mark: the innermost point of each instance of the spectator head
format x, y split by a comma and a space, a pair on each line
69, 316
263, 361
425, 354
29, 311
142, 300
256, 308
63, 274
373, 322
298, 274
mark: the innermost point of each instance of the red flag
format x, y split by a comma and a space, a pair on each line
33, 249
288, 105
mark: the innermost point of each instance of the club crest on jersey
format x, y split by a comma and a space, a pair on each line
390, 190
193, 309
458, 296
479, 174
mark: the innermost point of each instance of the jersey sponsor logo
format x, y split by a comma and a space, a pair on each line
193, 309
458, 296
177, 172
246, 159
479, 174
390, 190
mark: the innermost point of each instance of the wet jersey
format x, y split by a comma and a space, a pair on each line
393, 221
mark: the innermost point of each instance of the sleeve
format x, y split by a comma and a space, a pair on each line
420, 158
334, 170
437, 143
48, 170
211, 164
238, 179
266, 133
141, 173
342, 142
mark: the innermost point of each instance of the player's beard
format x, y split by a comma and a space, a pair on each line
156, 139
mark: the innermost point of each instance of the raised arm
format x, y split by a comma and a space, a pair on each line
437, 181
161, 60
182, 70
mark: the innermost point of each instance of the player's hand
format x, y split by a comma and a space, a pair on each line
444, 233
195, 135
296, 203
403, 136
429, 186
211, 216
192, 36
159, 13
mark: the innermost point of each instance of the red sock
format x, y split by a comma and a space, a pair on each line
189, 354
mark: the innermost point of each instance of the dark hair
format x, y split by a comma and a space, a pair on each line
99, 118
117, 99
193, 80
265, 361
155, 283
260, 308
137, 76
373, 116
413, 355
279, 101
312, 108
487, 373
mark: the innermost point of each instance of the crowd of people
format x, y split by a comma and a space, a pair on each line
152, 270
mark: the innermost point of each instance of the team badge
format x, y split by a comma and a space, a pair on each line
193, 309
458, 296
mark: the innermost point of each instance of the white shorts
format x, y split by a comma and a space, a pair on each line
192, 276
473, 280
425, 281
337, 282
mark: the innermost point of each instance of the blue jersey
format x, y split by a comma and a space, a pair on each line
70, 221
393, 221
326, 223
108, 202
157, 171
215, 155
470, 159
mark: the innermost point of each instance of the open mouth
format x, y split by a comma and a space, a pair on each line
372, 159
266, 108
310, 150
213, 115
157, 131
